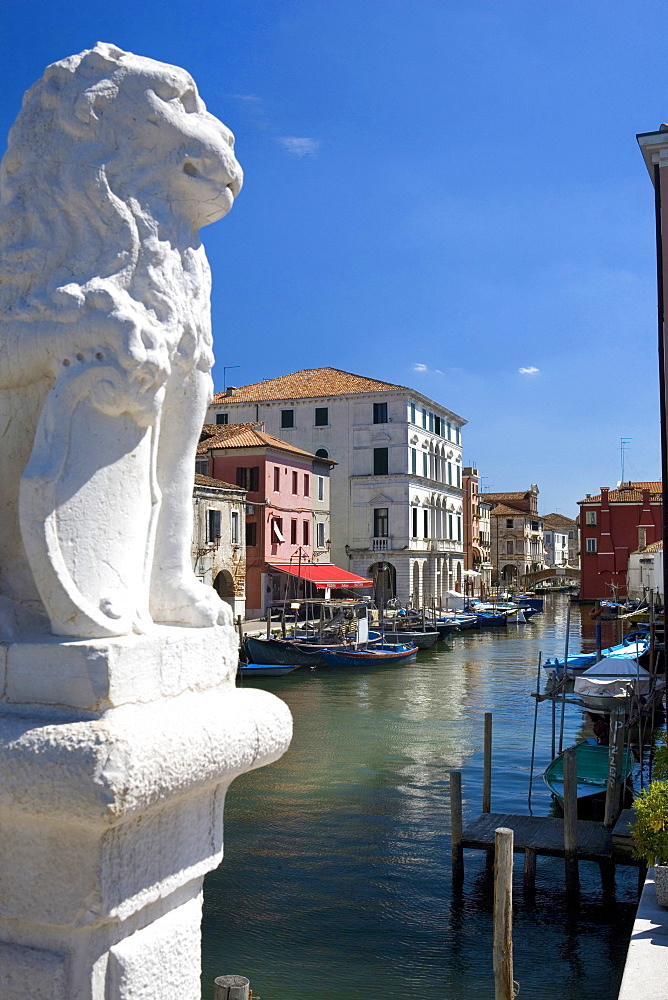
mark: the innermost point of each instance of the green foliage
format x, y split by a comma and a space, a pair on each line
650, 830
660, 766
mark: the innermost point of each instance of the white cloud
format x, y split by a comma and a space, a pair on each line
417, 367
300, 147
532, 370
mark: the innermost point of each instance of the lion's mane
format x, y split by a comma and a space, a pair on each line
69, 243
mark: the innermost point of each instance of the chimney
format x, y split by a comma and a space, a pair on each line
231, 389
642, 539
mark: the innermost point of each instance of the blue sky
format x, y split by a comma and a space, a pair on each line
437, 194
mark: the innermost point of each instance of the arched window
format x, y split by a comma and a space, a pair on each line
322, 453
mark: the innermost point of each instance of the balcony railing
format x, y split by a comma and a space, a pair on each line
382, 543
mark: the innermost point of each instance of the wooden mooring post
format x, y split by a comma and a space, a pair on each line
615, 755
571, 820
487, 765
504, 988
231, 988
456, 826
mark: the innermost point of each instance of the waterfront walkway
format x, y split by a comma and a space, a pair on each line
646, 970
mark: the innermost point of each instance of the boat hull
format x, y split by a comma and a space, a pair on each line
591, 762
266, 669
370, 658
423, 640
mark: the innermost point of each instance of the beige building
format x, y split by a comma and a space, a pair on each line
517, 537
561, 541
218, 539
477, 535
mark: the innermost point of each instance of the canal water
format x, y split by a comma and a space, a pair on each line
336, 878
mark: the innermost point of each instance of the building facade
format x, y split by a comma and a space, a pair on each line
644, 577
560, 534
517, 542
613, 524
397, 488
477, 535
218, 539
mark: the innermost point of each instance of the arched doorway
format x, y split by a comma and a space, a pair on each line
415, 589
384, 577
509, 573
224, 587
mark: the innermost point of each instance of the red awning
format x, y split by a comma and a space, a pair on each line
324, 575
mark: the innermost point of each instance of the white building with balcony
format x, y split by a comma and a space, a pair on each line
396, 491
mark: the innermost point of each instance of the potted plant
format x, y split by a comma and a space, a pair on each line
650, 834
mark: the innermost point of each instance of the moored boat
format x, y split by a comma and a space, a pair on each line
377, 656
266, 669
633, 645
591, 765
423, 640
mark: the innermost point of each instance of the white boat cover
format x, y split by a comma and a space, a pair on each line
614, 677
454, 601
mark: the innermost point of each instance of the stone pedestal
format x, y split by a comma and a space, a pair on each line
115, 756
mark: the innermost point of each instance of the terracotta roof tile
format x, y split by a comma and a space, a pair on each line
504, 509
655, 547
559, 521
243, 436
219, 484
506, 497
632, 495
309, 382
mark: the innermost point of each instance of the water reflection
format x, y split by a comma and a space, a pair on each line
336, 881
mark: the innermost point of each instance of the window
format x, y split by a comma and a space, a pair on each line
509, 547
322, 453
459, 527
411, 413
380, 522
380, 413
431, 422
277, 529
449, 473
222, 418
425, 519
414, 512
591, 545
548, 537
295, 483
277, 479
212, 525
287, 418
449, 426
458, 435
424, 418
590, 517
459, 476
437, 425
320, 534
321, 487
305, 532
535, 526
380, 461
571, 535
321, 416
251, 533
234, 528
293, 531
202, 466
248, 479
425, 464
414, 461
509, 522
451, 533
307, 485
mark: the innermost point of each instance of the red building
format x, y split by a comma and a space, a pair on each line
613, 524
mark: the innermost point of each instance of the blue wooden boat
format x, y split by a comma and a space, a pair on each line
266, 669
632, 646
275, 652
377, 656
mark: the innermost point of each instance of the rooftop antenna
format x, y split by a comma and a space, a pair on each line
623, 446
227, 368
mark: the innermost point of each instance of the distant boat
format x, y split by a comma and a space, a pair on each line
266, 669
377, 656
423, 640
591, 765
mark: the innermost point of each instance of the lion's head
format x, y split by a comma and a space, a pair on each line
112, 166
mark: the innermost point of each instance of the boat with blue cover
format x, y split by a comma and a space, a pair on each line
266, 669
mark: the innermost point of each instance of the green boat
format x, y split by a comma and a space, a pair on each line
591, 764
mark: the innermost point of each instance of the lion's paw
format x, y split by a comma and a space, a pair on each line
192, 604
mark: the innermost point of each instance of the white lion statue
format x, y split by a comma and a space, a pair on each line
113, 166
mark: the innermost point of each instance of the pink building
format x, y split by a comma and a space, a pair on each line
287, 512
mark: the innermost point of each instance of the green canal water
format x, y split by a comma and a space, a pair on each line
336, 878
